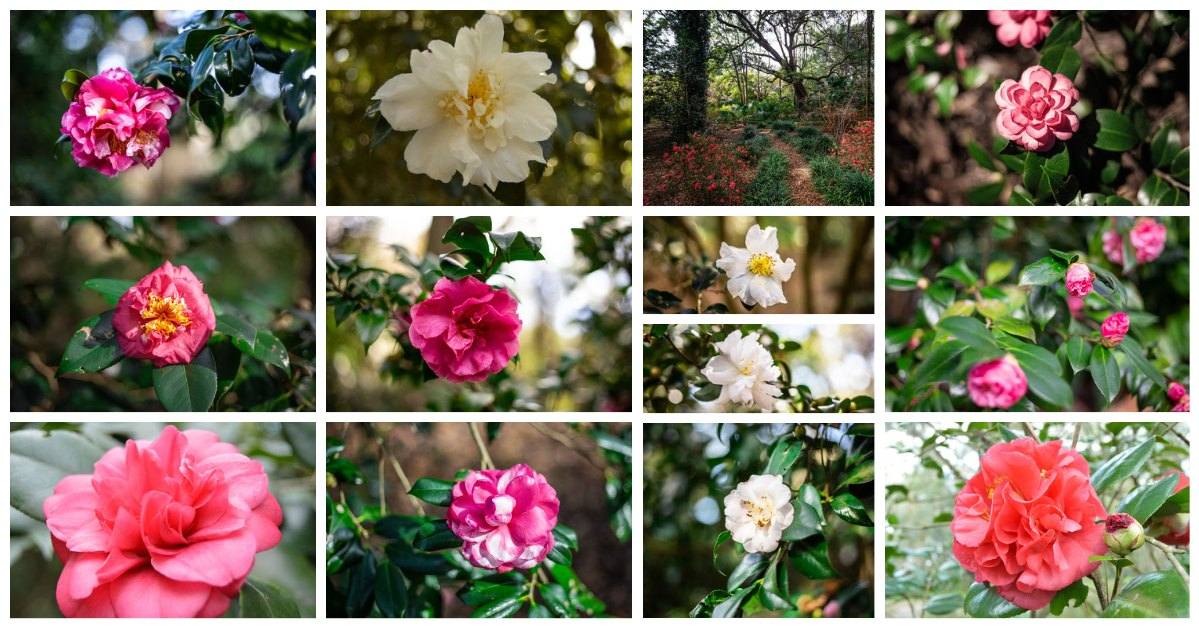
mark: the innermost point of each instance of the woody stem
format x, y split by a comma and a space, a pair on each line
484, 456
1170, 552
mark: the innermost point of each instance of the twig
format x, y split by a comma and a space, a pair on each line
1170, 427
1099, 590
680, 351
484, 456
567, 442
1077, 432
1028, 431
1170, 552
399, 471
382, 483
1171, 180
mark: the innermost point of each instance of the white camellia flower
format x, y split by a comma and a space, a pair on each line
472, 106
756, 273
745, 371
757, 512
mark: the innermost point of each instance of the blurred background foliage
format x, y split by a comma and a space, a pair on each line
257, 162
588, 158
588, 464
286, 450
689, 468
261, 268
928, 463
575, 344
834, 261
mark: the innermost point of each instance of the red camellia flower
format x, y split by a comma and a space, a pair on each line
466, 330
165, 317
1025, 523
167, 528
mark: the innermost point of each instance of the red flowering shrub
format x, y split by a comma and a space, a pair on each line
704, 171
856, 149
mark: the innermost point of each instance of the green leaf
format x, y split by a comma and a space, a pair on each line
259, 598
1067, 31
662, 299
1074, 595
998, 270
470, 233
983, 601
555, 597
1062, 58
959, 272
1157, 191
1145, 500
111, 289
1181, 167
1165, 146
750, 568
861, 473
93, 347
287, 31
945, 92
1116, 133
1136, 355
517, 247
969, 330
502, 607
901, 279
938, 365
1105, 372
851, 509
985, 194
71, 80
809, 515
1121, 466
201, 68
435, 537
943, 603
812, 561
981, 156
39, 459
1078, 353
483, 592
1043, 272
1015, 327
707, 393
731, 606
783, 456
1152, 595
187, 387
370, 324
234, 65
391, 592
566, 537
433, 491
1044, 373
1045, 175
253, 341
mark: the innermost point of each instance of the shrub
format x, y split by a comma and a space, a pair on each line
702, 170
783, 125
807, 131
840, 185
813, 145
770, 187
758, 146
748, 132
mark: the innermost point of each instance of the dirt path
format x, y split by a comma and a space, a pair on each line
802, 192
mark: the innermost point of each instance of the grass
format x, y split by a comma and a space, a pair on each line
840, 185
812, 143
769, 186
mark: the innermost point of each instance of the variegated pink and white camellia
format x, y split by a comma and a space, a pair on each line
1038, 110
505, 517
114, 122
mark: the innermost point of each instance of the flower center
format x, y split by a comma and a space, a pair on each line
759, 511
163, 316
746, 368
475, 108
761, 264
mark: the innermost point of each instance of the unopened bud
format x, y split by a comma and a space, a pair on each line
922, 283
1123, 534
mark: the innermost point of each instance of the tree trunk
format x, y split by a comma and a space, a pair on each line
691, 33
800, 94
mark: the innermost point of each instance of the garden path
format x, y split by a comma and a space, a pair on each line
802, 192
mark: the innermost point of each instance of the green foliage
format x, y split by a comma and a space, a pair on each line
841, 185
813, 145
770, 186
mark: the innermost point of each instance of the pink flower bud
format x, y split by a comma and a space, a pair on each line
1113, 247
1176, 391
1038, 110
1114, 328
1123, 534
505, 518
165, 317
1027, 28
1079, 279
999, 383
1148, 239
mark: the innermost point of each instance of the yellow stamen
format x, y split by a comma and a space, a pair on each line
164, 316
475, 108
759, 511
761, 264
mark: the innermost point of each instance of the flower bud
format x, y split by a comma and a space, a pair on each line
1078, 280
1114, 328
1123, 534
1176, 391
922, 283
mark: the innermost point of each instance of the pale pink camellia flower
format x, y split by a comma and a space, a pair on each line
466, 330
1113, 247
1079, 280
1114, 328
1027, 28
1038, 110
114, 122
505, 517
165, 317
1148, 239
998, 383
167, 528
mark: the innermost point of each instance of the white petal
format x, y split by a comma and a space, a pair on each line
509, 164
720, 370
739, 287
759, 240
782, 271
439, 68
529, 117
407, 104
733, 260
483, 42
438, 151
522, 71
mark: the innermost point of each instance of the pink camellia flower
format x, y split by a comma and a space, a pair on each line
999, 383
1179, 395
1026, 522
1114, 328
1028, 28
1038, 110
1113, 247
114, 122
1079, 279
167, 528
1148, 239
505, 518
466, 330
165, 317
1076, 305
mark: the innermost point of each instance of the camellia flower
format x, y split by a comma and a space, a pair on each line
1113, 247
757, 512
1177, 526
1079, 280
167, 528
114, 122
1026, 522
473, 107
756, 273
1148, 239
1028, 28
1038, 110
165, 317
1179, 395
1114, 328
745, 371
999, 383
505, 518
466, 330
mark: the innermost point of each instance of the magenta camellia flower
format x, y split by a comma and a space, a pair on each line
114, 122
1148, 239
167, 528
1027, 28
999, 383
1179, 395
466, 330
165, 317
1114, 328
1079, 279
1038, 110
1113, 247
505, 518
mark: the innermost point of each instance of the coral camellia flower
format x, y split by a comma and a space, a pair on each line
473, 107
505, 518
745, 371
1038, 110
1025, 523
114, 122
167, 528
1027, 28
999, 383
1114, 328
756, 273
1079, 280
165, 317
1177, 526
757, 512
1148, 239
466, 330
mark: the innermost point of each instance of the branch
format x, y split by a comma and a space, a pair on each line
484, 456
1170, 552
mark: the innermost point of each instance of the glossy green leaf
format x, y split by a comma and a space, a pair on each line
1105, 372
1074, 595
751, 567
432, 491
259, 598
1120, 466
71, 80
1062, 58
809, 515
1078, 353
111, 289
287, 31
1145, 500
1044, 373
851, 509
945, 92
39, 459
1154, 595
1066, 31
391, 592
187, 387
938, 365
1043, 272
1116, 133
812, 561
968, 330
982, 601
783, 456
1136, 356
93, 347
731, 606
1157, 191
943, 603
